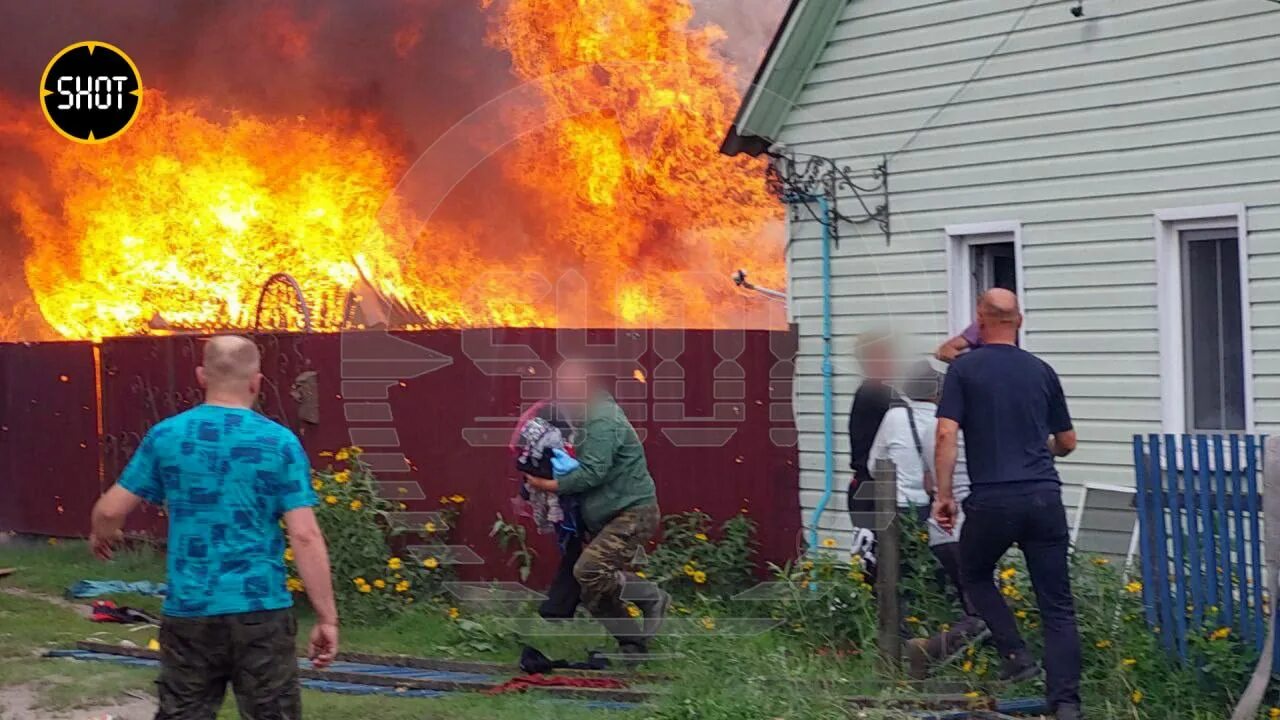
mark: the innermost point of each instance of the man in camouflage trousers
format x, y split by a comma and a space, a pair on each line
619, 503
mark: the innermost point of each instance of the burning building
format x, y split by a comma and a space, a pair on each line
578, 141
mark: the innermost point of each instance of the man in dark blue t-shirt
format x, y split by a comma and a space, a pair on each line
1010, 405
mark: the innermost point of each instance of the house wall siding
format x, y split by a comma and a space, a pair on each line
1079, 129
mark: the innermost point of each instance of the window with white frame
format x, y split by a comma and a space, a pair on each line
1204, 319
980, 257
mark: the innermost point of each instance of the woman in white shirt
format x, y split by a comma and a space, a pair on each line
912, 452
906, 438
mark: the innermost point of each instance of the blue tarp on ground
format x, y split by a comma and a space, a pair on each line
353, 688
98, 588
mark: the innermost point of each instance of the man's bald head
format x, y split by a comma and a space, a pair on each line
999, 316
231, 367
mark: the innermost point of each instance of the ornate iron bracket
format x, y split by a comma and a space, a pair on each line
799, 180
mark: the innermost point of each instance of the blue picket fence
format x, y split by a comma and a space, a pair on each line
1199, 512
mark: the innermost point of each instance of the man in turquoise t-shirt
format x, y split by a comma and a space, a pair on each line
227, 477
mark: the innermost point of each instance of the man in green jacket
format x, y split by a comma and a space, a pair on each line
619, 504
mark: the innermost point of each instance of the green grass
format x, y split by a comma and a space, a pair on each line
777, 674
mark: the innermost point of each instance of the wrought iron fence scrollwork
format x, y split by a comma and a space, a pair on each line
801, 179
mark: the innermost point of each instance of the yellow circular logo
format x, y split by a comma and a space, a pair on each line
91, 92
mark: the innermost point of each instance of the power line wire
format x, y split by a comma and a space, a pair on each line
976, 71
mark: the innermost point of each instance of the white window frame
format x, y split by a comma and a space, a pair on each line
960, 299
1169, 223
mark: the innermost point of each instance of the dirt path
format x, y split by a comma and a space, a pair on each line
78, 608
20, 702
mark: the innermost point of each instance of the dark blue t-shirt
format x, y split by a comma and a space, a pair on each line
1007, 402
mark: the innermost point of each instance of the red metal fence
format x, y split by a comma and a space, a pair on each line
433, 410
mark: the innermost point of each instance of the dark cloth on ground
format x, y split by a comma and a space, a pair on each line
1038, 524
253, 652
1008, 402
534, 662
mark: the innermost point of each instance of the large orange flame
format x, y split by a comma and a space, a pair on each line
184, 217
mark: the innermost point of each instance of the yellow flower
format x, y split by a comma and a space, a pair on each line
444, 500
1100, 561
828, 542
633, 611
365, 589
913, 620
326, 453
342, 454
395, 563
689, 569
1008, 573
457, 499
1274, 712
431, 563
454, 613
379, 583
700, 536
699, 577
402, 586
1221, 633
967, 666
1136, 697
1133, 588
1129, 662
708, 623
807, 565
343, 477
429, 527
1021, 614
294, 585
356, 504
640, 574
973, 694
153, 645
317, 484
331, 500
355, 449
1102, 644
359, 581
288, 554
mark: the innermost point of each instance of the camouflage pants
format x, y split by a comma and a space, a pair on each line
254, 652
601, 571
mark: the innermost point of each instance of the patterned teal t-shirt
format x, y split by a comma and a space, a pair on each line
226, 476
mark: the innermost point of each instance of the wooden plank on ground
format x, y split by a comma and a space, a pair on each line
444, 685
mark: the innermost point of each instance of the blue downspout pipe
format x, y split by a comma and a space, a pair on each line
828, 381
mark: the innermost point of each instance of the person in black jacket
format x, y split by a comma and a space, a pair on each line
874, 351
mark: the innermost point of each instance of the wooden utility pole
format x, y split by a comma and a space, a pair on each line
888, 566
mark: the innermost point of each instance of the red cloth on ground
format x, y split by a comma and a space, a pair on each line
520, 684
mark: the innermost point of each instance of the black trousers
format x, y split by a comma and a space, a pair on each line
1037, 523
